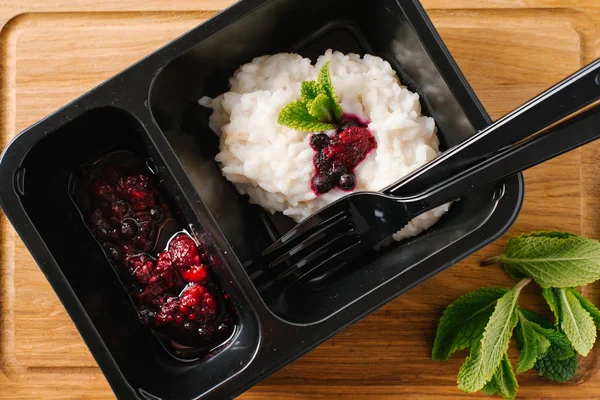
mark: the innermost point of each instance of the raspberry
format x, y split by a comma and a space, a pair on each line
183, 251
196, 273
197, 303
350, 146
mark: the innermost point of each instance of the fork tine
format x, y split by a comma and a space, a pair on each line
310, 227
337, 227
299, 270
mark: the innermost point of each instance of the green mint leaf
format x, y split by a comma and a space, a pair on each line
576, 322
296, 116
310, 90
552, 259
552, 234
587, 306
484, 359
463, 322
557, 370
560, 345
505, 379
327, 86
321, 108
533, 317
498, 331
532, 344
470, 374
514, 272
551, 297
536, 322
325, 80
318, 110
559, 361
490, 388
337, 110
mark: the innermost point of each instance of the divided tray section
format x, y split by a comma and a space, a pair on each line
48, 189
204, 71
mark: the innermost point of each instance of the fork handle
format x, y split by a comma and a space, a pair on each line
567, 136
556, 103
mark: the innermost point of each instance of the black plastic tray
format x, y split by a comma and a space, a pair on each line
151, 108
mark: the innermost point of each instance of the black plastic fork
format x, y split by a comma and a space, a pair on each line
357, 222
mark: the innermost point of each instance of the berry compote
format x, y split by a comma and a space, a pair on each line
338, 155
167, 274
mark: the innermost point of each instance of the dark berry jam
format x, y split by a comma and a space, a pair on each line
337, 156
167, 274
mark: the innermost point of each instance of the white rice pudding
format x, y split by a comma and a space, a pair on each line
273, 164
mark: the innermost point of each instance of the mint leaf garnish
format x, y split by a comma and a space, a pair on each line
576, 322
318, 109
485, 359
552, 259
470, 375
325, 82
587, 306
533, 343
310, 90
321, 109
505, 380
557, 370
463, 322
296, 116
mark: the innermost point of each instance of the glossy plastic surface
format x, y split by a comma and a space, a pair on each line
151, 109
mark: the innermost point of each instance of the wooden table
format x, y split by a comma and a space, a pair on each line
510, 50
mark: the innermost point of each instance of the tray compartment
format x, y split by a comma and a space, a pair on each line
204, 70
147, 363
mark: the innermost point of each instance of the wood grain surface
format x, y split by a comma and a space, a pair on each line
54, 50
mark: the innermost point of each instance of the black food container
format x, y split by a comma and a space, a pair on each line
151, 109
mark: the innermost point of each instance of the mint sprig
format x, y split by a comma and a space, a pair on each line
485, 358
464, 321
556, 261
559, 361
318, 110
552, 259
533, 343
572, 317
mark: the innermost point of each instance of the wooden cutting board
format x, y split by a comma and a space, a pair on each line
54, 50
